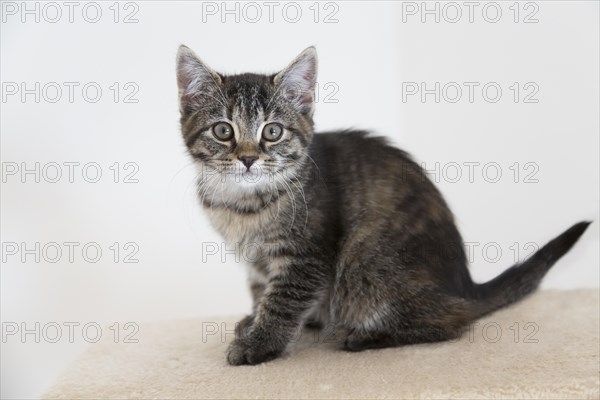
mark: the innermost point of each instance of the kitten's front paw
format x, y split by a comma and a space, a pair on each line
243, 351
242, 327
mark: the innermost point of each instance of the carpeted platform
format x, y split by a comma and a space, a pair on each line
545, 347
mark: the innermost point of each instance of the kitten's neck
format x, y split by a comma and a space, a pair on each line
241, 215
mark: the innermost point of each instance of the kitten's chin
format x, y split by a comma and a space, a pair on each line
249, 181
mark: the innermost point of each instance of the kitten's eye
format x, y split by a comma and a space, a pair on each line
223, 131
272, 132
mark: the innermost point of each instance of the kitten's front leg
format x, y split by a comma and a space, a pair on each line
257, 289
288, 297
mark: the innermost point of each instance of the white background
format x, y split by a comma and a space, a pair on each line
366, 55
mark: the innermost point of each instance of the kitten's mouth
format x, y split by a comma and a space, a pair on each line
250, 172
249, 177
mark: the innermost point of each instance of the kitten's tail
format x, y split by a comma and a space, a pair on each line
521, 279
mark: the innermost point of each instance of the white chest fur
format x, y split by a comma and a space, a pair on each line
240, 228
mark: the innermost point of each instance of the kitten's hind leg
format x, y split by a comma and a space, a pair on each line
360, 339
408, 321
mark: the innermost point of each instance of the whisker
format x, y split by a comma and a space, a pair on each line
301, 190
289, 190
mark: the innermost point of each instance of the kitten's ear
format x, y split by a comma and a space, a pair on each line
298, 80
194, 78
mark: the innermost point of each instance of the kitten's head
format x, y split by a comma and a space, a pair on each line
251, 130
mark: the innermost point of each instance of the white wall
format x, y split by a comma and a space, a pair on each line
366, 55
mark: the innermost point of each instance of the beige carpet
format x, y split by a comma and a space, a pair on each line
545, 347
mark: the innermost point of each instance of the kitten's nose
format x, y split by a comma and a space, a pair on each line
247, 160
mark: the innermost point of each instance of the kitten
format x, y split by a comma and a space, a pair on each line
348, 229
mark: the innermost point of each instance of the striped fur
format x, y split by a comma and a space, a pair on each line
349, 229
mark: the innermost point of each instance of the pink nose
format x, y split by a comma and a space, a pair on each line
247, 160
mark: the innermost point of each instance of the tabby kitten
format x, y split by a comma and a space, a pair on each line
349, 230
